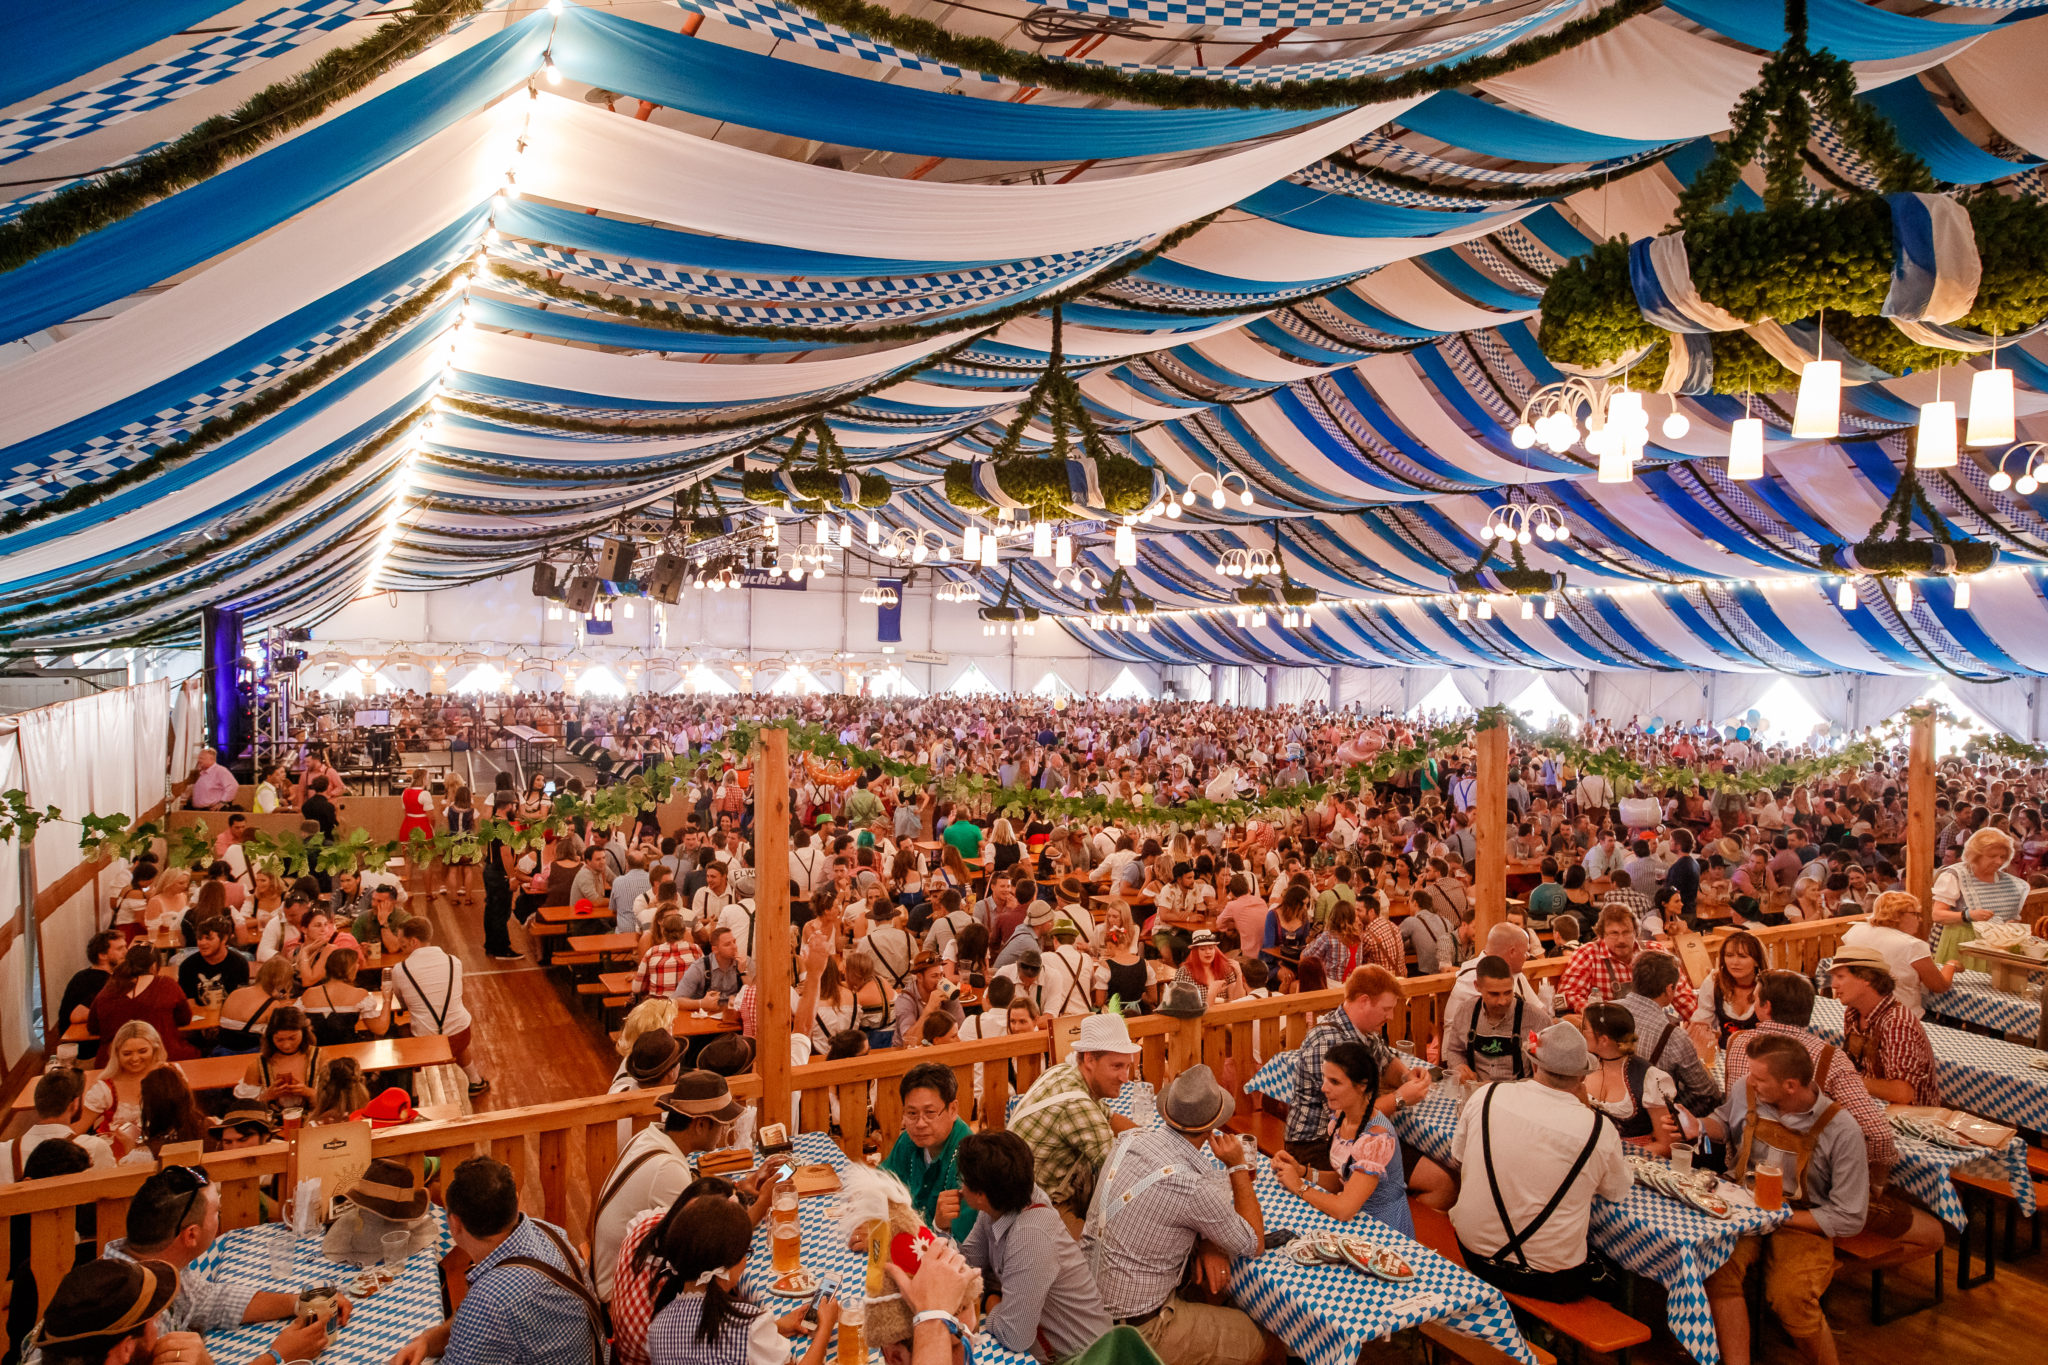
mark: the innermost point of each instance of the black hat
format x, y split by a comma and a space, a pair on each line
103, 1301
654, 1055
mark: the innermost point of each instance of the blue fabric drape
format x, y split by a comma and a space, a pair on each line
1850, 29
1467, 121
1927, 133
757, 91
53, 42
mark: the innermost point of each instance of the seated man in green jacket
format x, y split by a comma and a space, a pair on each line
926, 1154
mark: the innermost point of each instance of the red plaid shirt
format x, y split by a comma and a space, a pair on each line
1891, 1045
633, 1294
1596, 974
661, 971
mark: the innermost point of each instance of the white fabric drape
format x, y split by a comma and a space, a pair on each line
1417, 683
151, 708
1570, 687
188, 727
17, 1032
2008, 704
1190, 682
1876, 698
2002, 80
1732, 694
1642, 697
580, 155
1293, 686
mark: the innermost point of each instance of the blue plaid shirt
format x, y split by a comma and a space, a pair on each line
516, 1313
1308, 1113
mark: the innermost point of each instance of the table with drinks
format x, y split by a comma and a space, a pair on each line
2004, 1081
804, 1234
392, 1300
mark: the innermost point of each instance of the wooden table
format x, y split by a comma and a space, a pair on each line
617, 983
689, 1025
569, 914
604, 945
221, 1073
205, 1018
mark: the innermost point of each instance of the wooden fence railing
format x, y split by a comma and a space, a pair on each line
560, 1152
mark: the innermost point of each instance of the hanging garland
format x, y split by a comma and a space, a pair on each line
1064, 482
176, 564
1890, 551
237, 419
1167, 91
826, 481
1839, 257
1112, 602
225, 138
1517, 578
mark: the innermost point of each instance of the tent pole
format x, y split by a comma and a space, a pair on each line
1490, 828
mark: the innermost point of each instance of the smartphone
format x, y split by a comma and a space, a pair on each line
548, 790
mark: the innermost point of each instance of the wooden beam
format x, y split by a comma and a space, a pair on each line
1920, 809
771, 924
1490, 828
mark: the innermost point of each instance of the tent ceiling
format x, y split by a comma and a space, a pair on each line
772, 169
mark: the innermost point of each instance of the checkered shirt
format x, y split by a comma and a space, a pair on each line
1638, 904
1308, 1112
1842, 1084
661, 971
1140, 1253
1383, 947
1894, 1048
203, 1302
1068, 1140
1596, 974
516, 1313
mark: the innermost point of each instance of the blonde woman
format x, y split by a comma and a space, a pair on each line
1976, 891
164, 914
1897, 929
1007, 850
113, 1103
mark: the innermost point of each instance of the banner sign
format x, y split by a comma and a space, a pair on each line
758, 578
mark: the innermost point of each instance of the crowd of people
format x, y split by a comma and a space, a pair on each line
982, 898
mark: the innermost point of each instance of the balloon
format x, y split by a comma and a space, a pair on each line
1727, 732
1742, 732
1656, 722
1754, 716
1059, 703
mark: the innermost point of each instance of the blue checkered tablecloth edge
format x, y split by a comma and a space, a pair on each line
1982, 1075
1927, 1172
1972, 1000
1275, 1080
378, 1326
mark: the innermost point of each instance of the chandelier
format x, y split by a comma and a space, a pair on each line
1247, 564
1523, 523
2033, 468
913, 547
813, 559
1891, 550
1219, 489
879, 595
1617, 424
961, 591
1077, 579
718, 574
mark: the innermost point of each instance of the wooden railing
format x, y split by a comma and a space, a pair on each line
1796, 947
560, 1152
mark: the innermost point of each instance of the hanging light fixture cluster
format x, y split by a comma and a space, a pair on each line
1617, 430
1247, 564
914, 547
1220, 489
957, 591
1121, 621
2033, 466
1525, 523
879, 595
1077, 578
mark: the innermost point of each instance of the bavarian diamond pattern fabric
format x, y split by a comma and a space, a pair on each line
1927, 1172
1972, 1000
149, 87
1272, 13
1982, 1075
794, 26
377, 1329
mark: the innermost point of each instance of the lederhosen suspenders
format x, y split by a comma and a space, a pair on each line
1517, 1238
440, 1015
600, 1331
1493, 1046
1776, 1135
1073, 980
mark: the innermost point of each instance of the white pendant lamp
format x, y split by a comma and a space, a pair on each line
1962, 593
1935, 445
1464, 610
1615, 465
1991, 408
1902, 595
1845, 596
989, 557
1746, 448
1063, 553
1819, 409
1126, 547
970, 545
1485, 610
1528, 609
1041, 539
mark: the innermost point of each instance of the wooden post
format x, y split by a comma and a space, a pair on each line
771, 924
1920, 809
1490, 828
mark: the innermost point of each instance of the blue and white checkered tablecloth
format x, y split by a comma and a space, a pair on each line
378, 1326
1973, 1000
826, 1254
1926, 1172
1275, 1080
1982, 1075
1136, 1097
1325, 1313
1645, 1234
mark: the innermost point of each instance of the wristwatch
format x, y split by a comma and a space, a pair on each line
1400, 1103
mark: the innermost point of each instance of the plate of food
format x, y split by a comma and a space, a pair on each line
795, 1284
1329, 1248
1383, 1262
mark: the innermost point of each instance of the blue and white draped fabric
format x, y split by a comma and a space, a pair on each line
1807, 341
1084, 481
982, 475
149, 87
1661, 276
849, 487
1935, 267
1690, 367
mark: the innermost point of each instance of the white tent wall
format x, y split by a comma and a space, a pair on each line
16, 1033
1193, 682
1293, 686
502, 613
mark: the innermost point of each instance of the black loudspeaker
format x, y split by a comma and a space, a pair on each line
299, 635
581, 594
615, 560
665, 578
544, 580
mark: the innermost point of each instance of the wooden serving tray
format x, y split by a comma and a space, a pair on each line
815, 1179
2009, 971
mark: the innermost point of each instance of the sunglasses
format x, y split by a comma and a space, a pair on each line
194, 1180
